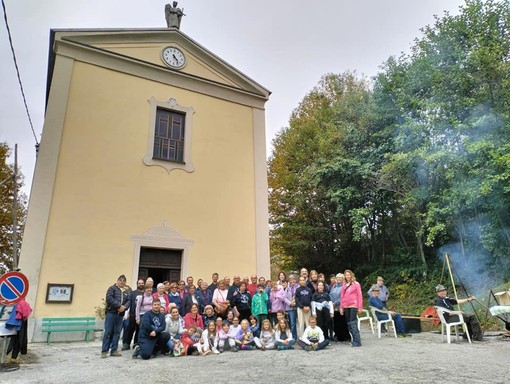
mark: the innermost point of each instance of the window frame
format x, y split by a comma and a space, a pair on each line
170, 105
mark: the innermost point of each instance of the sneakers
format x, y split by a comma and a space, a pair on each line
125, 347
136, 351
308, 348
115, 354
234, 349
221, 350
104, 355
215, 351
280, 348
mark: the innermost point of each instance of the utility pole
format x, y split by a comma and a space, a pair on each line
15, 212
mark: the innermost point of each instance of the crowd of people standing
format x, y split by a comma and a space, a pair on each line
181, 318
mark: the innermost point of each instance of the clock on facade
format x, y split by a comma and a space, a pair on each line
173, 57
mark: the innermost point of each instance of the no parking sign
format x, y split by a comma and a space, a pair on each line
13, 287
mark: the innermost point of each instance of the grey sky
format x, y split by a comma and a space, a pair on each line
285, 45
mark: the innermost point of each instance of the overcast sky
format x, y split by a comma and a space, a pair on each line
285, 45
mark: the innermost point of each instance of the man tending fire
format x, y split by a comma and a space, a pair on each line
447, 302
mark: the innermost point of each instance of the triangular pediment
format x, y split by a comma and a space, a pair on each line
143, 47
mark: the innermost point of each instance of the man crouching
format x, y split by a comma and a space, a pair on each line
152, 338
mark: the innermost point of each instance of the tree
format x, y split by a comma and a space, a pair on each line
308, 228
394, 173
450, 103
6, 210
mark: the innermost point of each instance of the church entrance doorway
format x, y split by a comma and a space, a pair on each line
160, 264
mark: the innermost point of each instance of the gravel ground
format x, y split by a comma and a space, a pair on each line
421, 358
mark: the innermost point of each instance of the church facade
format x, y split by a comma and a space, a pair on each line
152, 163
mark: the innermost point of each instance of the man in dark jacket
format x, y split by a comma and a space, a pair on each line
153, 338
471, 321
117, 302
132, 328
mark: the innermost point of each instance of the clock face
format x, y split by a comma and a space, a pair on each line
173, 57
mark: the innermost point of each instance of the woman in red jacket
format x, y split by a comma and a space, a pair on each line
194, 318
351, 302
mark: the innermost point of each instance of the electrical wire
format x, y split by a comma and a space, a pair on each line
17, 72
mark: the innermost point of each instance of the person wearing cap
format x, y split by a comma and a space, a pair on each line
376, 302
208, 315
117, 302
442, 300
384, 293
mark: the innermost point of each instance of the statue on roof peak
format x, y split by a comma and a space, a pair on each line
173, 15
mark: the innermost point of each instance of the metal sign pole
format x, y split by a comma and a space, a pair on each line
15, 212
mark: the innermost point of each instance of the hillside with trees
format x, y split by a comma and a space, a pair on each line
386, 175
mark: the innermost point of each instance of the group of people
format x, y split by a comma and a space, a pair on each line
251, 313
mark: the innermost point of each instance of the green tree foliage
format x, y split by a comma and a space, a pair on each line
450, 102
6, 211
309, 228
384, 174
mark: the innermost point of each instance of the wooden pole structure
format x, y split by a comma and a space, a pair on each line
447, 258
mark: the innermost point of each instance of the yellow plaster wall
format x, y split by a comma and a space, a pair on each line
103, 193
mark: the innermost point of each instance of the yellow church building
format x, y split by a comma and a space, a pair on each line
152, 163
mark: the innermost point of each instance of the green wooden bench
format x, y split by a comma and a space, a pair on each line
68, 324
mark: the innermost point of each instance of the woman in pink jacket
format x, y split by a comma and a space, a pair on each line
351, 302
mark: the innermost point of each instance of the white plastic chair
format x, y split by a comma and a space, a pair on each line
365, 317
448, 325
379, 323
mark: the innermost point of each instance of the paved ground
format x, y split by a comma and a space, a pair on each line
419, 359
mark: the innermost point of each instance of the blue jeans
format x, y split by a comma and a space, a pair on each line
112, 328
150, 345
397, 318
352, 323
292, 313
290, 345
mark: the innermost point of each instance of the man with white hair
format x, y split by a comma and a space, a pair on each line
339, 322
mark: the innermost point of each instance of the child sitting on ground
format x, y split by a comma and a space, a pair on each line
225, 339
244, 338
283, 336
313, 337
254, 326
191, 341
234, 328
210, 339
266, 339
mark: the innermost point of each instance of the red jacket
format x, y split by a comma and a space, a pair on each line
190, 320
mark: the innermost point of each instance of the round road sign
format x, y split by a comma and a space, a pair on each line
13, 287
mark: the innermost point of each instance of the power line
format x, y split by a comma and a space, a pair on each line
17, 72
